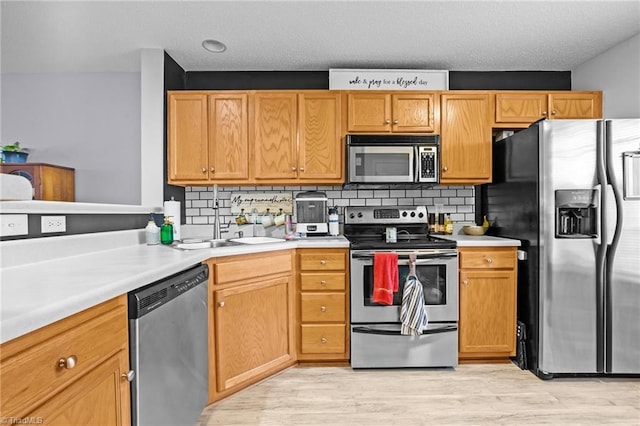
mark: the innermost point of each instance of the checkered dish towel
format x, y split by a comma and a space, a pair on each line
413, 314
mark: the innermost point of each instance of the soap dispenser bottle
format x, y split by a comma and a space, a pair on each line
166, 232
152, 232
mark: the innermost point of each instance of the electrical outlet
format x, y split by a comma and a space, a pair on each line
13, 224
53, 224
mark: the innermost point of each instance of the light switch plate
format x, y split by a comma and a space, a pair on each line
13, 224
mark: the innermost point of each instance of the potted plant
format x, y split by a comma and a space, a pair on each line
14, 153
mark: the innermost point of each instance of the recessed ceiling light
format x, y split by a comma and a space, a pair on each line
214, 46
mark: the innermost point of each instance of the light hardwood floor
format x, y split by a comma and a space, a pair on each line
480, 394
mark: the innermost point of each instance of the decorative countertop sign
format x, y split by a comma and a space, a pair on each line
368, 79
246, 202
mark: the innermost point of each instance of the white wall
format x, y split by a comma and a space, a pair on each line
91, 122
617, 73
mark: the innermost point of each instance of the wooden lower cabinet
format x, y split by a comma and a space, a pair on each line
322, 308
250, 320
487, 304
72, 372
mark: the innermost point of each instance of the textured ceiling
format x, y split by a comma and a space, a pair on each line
95, 36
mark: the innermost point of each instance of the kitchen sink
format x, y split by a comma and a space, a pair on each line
197, 245
257, 240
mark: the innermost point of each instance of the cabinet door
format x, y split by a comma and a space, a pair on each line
275, 136
228, 141
369, 112
413, 112
487, 312
575, 105
320, 155
187, 134
251, 330
101, 397
466, 138
524, 107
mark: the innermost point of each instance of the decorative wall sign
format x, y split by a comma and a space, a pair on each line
363, 79
247, 201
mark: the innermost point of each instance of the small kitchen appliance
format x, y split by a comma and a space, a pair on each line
376, 338
311, 213
376, 159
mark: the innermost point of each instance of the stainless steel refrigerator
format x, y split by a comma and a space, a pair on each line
570, 191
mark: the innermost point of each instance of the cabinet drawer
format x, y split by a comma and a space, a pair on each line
34, 373
255, 267
488, 259
322, 261
320, 307
314, 281
323, 339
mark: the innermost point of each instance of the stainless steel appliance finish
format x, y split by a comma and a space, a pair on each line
168, 349
392, 159
311, 213
559, 187
376, 341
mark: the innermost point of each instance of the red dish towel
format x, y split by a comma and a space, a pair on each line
385, 277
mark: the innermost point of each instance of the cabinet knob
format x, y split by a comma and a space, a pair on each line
128, 376
544, 113
302, 169
465, 282
221, 304
445, 168
323, 262
323, 340
323, 283
395, 121
293, 168
554, 112
489, 260
204, 170
387, 121
323, 308
68, 363
212, 169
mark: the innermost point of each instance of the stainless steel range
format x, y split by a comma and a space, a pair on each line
376, 340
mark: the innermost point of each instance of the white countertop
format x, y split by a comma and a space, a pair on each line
464, 240
40, 286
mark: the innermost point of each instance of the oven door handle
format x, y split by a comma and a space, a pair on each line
368, 330
422, 256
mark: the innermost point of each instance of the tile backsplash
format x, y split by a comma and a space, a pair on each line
459, 201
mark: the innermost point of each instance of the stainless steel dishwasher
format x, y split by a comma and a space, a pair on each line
168, 349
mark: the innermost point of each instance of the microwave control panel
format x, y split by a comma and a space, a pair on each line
428, 157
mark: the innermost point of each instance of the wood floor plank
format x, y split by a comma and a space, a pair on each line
471, 394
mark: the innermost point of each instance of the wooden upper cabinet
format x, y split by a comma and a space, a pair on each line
228, 136
575, 105
274, 136
518, 109
187, 137
392, 112
465, 138
320, 152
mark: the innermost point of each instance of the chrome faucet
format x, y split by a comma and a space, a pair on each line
216, 211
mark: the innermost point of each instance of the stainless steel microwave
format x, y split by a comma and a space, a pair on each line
393, 159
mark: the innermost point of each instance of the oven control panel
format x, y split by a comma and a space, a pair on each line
390, 214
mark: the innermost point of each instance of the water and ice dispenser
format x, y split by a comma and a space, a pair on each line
576, 213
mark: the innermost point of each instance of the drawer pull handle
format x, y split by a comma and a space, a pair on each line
323, 262
323, 340
323, 283
221, 304
129, 376
323, 309
489, 260
68, 363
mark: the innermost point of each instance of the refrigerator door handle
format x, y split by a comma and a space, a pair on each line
600, 231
